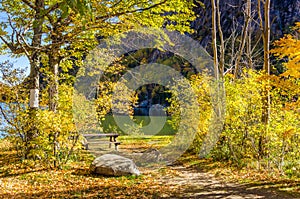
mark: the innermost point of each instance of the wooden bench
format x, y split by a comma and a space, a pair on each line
112, 139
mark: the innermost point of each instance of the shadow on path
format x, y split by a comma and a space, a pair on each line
191, 183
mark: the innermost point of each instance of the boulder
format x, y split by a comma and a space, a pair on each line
114, 165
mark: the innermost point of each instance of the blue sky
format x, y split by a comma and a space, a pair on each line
20, 62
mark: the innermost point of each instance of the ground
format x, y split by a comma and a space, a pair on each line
191, 183
188, 177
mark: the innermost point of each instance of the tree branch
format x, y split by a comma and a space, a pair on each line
52, 8
9, 45
131, 11
29, 4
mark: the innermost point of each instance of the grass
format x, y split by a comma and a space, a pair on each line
160, 139
141, 143
109, 125
133, 143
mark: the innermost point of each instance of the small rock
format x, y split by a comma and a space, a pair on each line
151, 155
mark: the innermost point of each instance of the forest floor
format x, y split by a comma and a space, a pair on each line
192, 182
189, 177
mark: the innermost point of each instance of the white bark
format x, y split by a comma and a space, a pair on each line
34, 98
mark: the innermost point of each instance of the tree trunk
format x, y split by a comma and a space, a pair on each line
53, 89
265, 27
266, 67
249, 35
214, 38
34, 74
242, 45
222, 45
53, 101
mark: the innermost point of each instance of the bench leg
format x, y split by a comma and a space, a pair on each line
116, 146
110, 141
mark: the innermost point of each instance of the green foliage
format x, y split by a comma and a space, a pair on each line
58, 33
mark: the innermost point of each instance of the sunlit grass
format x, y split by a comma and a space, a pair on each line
109, 125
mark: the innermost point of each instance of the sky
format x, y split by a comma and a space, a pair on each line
21, 62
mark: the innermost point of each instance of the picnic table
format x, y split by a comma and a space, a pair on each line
112, 139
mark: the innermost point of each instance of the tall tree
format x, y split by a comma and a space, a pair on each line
265, 28
52, 33
214, 38
243, 38
222, 43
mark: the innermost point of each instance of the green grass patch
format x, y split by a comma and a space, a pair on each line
145, 138
109, 125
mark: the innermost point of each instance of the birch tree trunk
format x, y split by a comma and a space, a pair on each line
222, 45
214, 38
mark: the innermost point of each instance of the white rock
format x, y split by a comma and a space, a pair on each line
114, 165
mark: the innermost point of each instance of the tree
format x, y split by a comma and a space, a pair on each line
243, 38
214, 37
62, 27
265, 29
288, 48
55, 34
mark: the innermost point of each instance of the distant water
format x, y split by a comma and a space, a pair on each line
3, 123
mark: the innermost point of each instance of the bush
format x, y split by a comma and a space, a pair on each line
41, 134
239, 141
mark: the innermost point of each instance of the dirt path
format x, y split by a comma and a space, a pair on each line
189, 183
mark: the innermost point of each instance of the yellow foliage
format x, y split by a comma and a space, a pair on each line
289, 47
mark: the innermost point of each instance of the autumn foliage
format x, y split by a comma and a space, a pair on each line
42, 149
